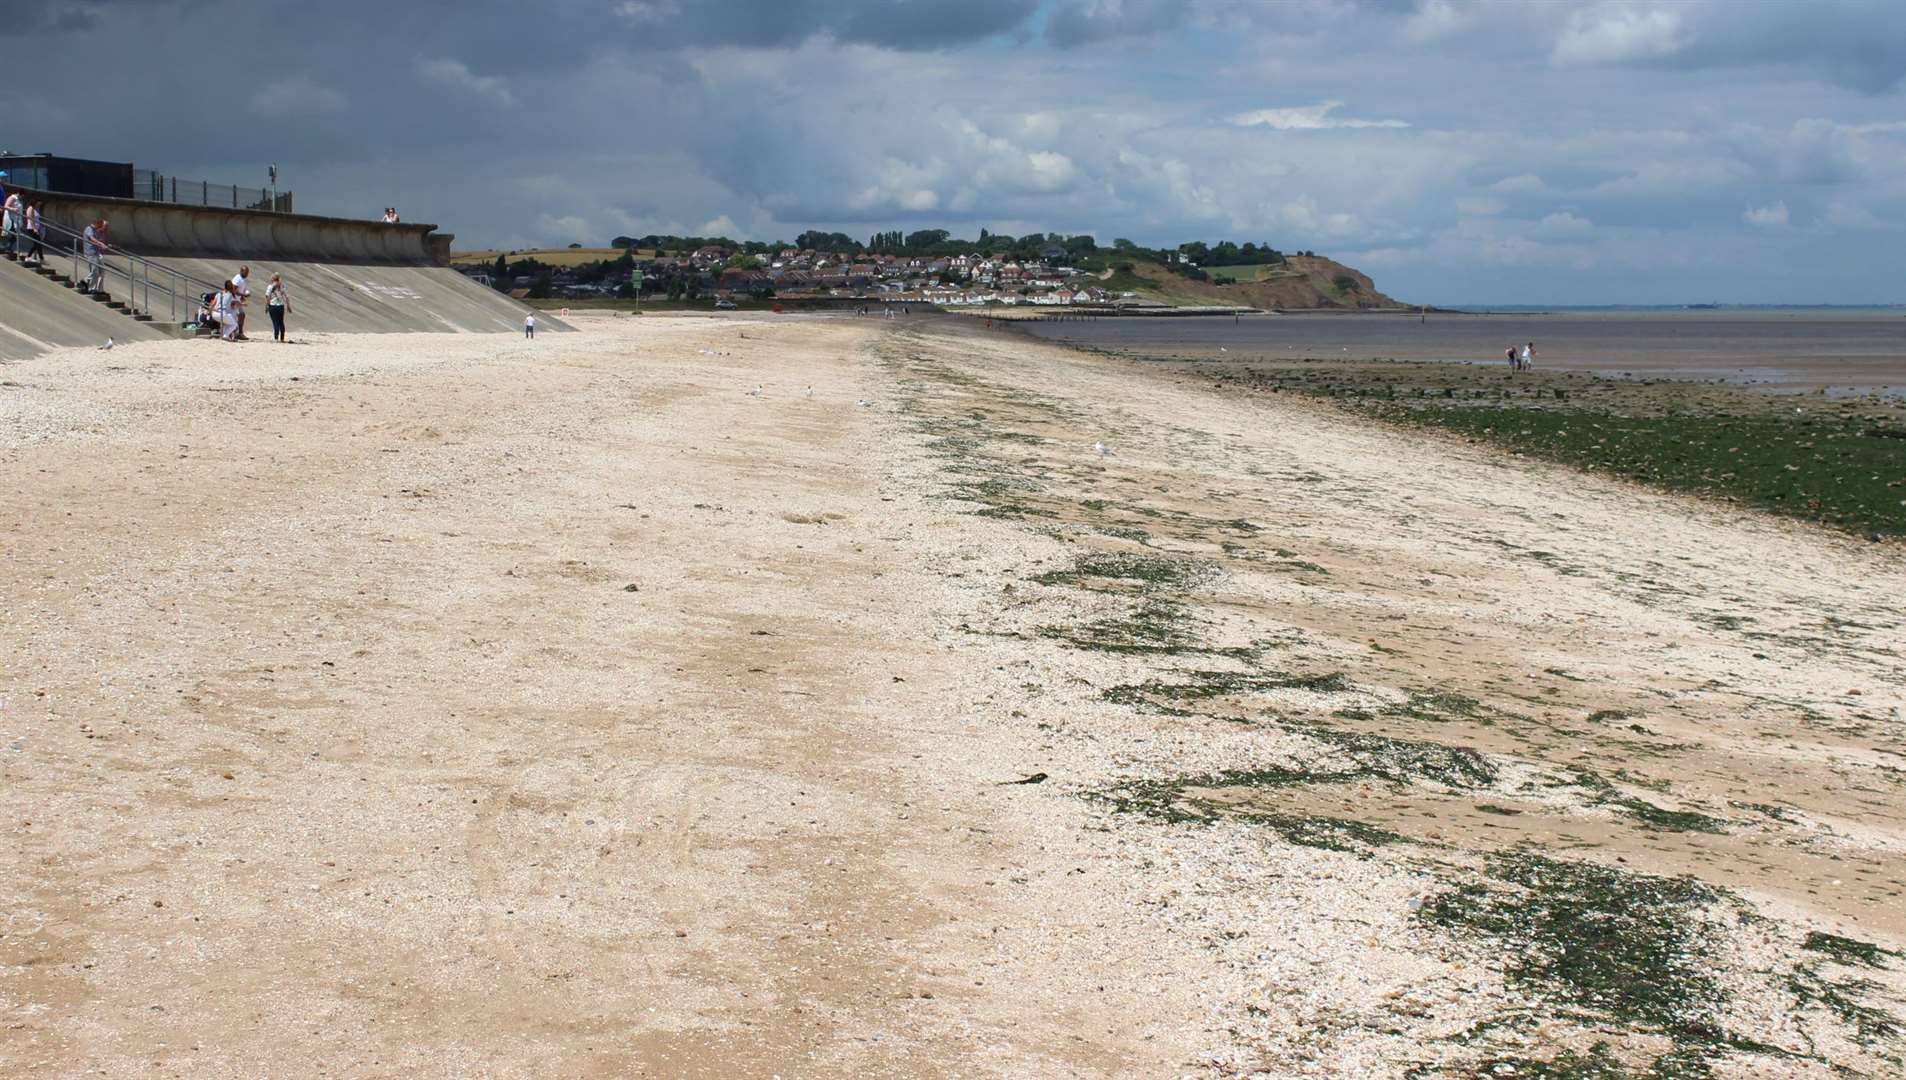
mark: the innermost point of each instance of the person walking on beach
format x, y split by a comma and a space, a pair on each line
1510, 353
241, 286
277, 305
529, 325
95, 250
1528, 356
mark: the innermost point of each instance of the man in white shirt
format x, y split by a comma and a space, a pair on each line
529, 325
242, 287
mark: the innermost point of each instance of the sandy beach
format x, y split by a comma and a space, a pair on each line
647, 701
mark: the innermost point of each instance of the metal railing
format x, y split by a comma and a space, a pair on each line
155, 187
179, 291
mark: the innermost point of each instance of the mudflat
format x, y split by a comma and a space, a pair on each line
650, 701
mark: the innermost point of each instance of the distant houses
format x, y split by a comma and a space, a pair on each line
718, 270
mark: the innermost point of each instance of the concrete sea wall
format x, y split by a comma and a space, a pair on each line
162, 230
343, 276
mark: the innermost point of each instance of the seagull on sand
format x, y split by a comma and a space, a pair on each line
807, 392
756, 392
108, 347
1101, 449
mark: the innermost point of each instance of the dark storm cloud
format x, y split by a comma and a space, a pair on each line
31, 21
911, 25
1084, 22
1855, 43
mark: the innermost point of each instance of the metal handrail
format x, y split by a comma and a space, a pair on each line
138, 272
154, 186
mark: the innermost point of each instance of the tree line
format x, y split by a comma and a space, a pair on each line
939, 243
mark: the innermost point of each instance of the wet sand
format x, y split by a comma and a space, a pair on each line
1849, 351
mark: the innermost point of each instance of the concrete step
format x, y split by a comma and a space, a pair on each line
37, 313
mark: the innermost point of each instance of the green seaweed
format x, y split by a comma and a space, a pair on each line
1846, 950
1626, 945
1842, 999
1146, 571
1168, 801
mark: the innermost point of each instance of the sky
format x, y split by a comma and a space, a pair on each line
1736, 151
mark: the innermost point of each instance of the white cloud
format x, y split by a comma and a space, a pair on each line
1617, 34
648, 11
1771, 216
1309, 118
1520, 184
569, 228
457, 75
1841, 214
1008, 167
1480, 206
1436, 19
1563, 224
1304, 214
298, 95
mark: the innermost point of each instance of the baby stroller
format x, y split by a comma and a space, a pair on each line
207, 314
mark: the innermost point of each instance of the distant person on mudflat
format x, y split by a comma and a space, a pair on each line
1510, 352
96, 247
529, 325
1528, 356
277, 305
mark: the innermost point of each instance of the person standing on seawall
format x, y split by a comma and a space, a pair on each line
277, 305
35, 234
14, 220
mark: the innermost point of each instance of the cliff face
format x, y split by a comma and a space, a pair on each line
1303, 282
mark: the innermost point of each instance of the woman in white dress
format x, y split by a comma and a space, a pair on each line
226, 308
